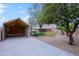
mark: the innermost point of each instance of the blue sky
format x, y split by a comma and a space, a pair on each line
12, 11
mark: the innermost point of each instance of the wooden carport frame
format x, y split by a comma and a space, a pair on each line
18, 24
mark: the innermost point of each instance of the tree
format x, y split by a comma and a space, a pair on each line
36, 14
64, 14
32, 23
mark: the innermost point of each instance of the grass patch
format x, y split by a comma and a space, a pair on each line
43, 33
50, 33
38, 33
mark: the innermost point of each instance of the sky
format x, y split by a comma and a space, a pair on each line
12, 11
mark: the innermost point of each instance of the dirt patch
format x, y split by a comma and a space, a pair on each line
61, 41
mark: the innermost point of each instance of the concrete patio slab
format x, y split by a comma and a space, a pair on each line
25, 46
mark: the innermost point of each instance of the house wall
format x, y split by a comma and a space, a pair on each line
45, 30
46, 27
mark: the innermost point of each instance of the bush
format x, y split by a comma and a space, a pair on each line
38, 33
34, 33
41, 33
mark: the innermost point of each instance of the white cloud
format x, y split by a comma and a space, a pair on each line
23, 11
2, 20
26, 19
2, 8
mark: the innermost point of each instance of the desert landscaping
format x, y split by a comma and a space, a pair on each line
60, 41
50, 29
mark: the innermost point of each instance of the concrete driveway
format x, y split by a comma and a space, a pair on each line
24, 46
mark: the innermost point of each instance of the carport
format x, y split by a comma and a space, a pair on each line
16, 27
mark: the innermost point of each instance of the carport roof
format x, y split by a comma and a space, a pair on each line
17, 21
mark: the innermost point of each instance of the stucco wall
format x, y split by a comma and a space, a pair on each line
2, 34
27, 31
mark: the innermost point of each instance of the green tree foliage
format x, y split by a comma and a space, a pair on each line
66, 15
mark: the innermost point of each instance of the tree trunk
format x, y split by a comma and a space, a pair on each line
30, 30
71, 41
40, 25
62, 32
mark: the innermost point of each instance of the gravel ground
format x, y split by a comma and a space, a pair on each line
61, 41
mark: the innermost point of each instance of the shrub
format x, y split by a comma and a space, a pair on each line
38, 33
41, 33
